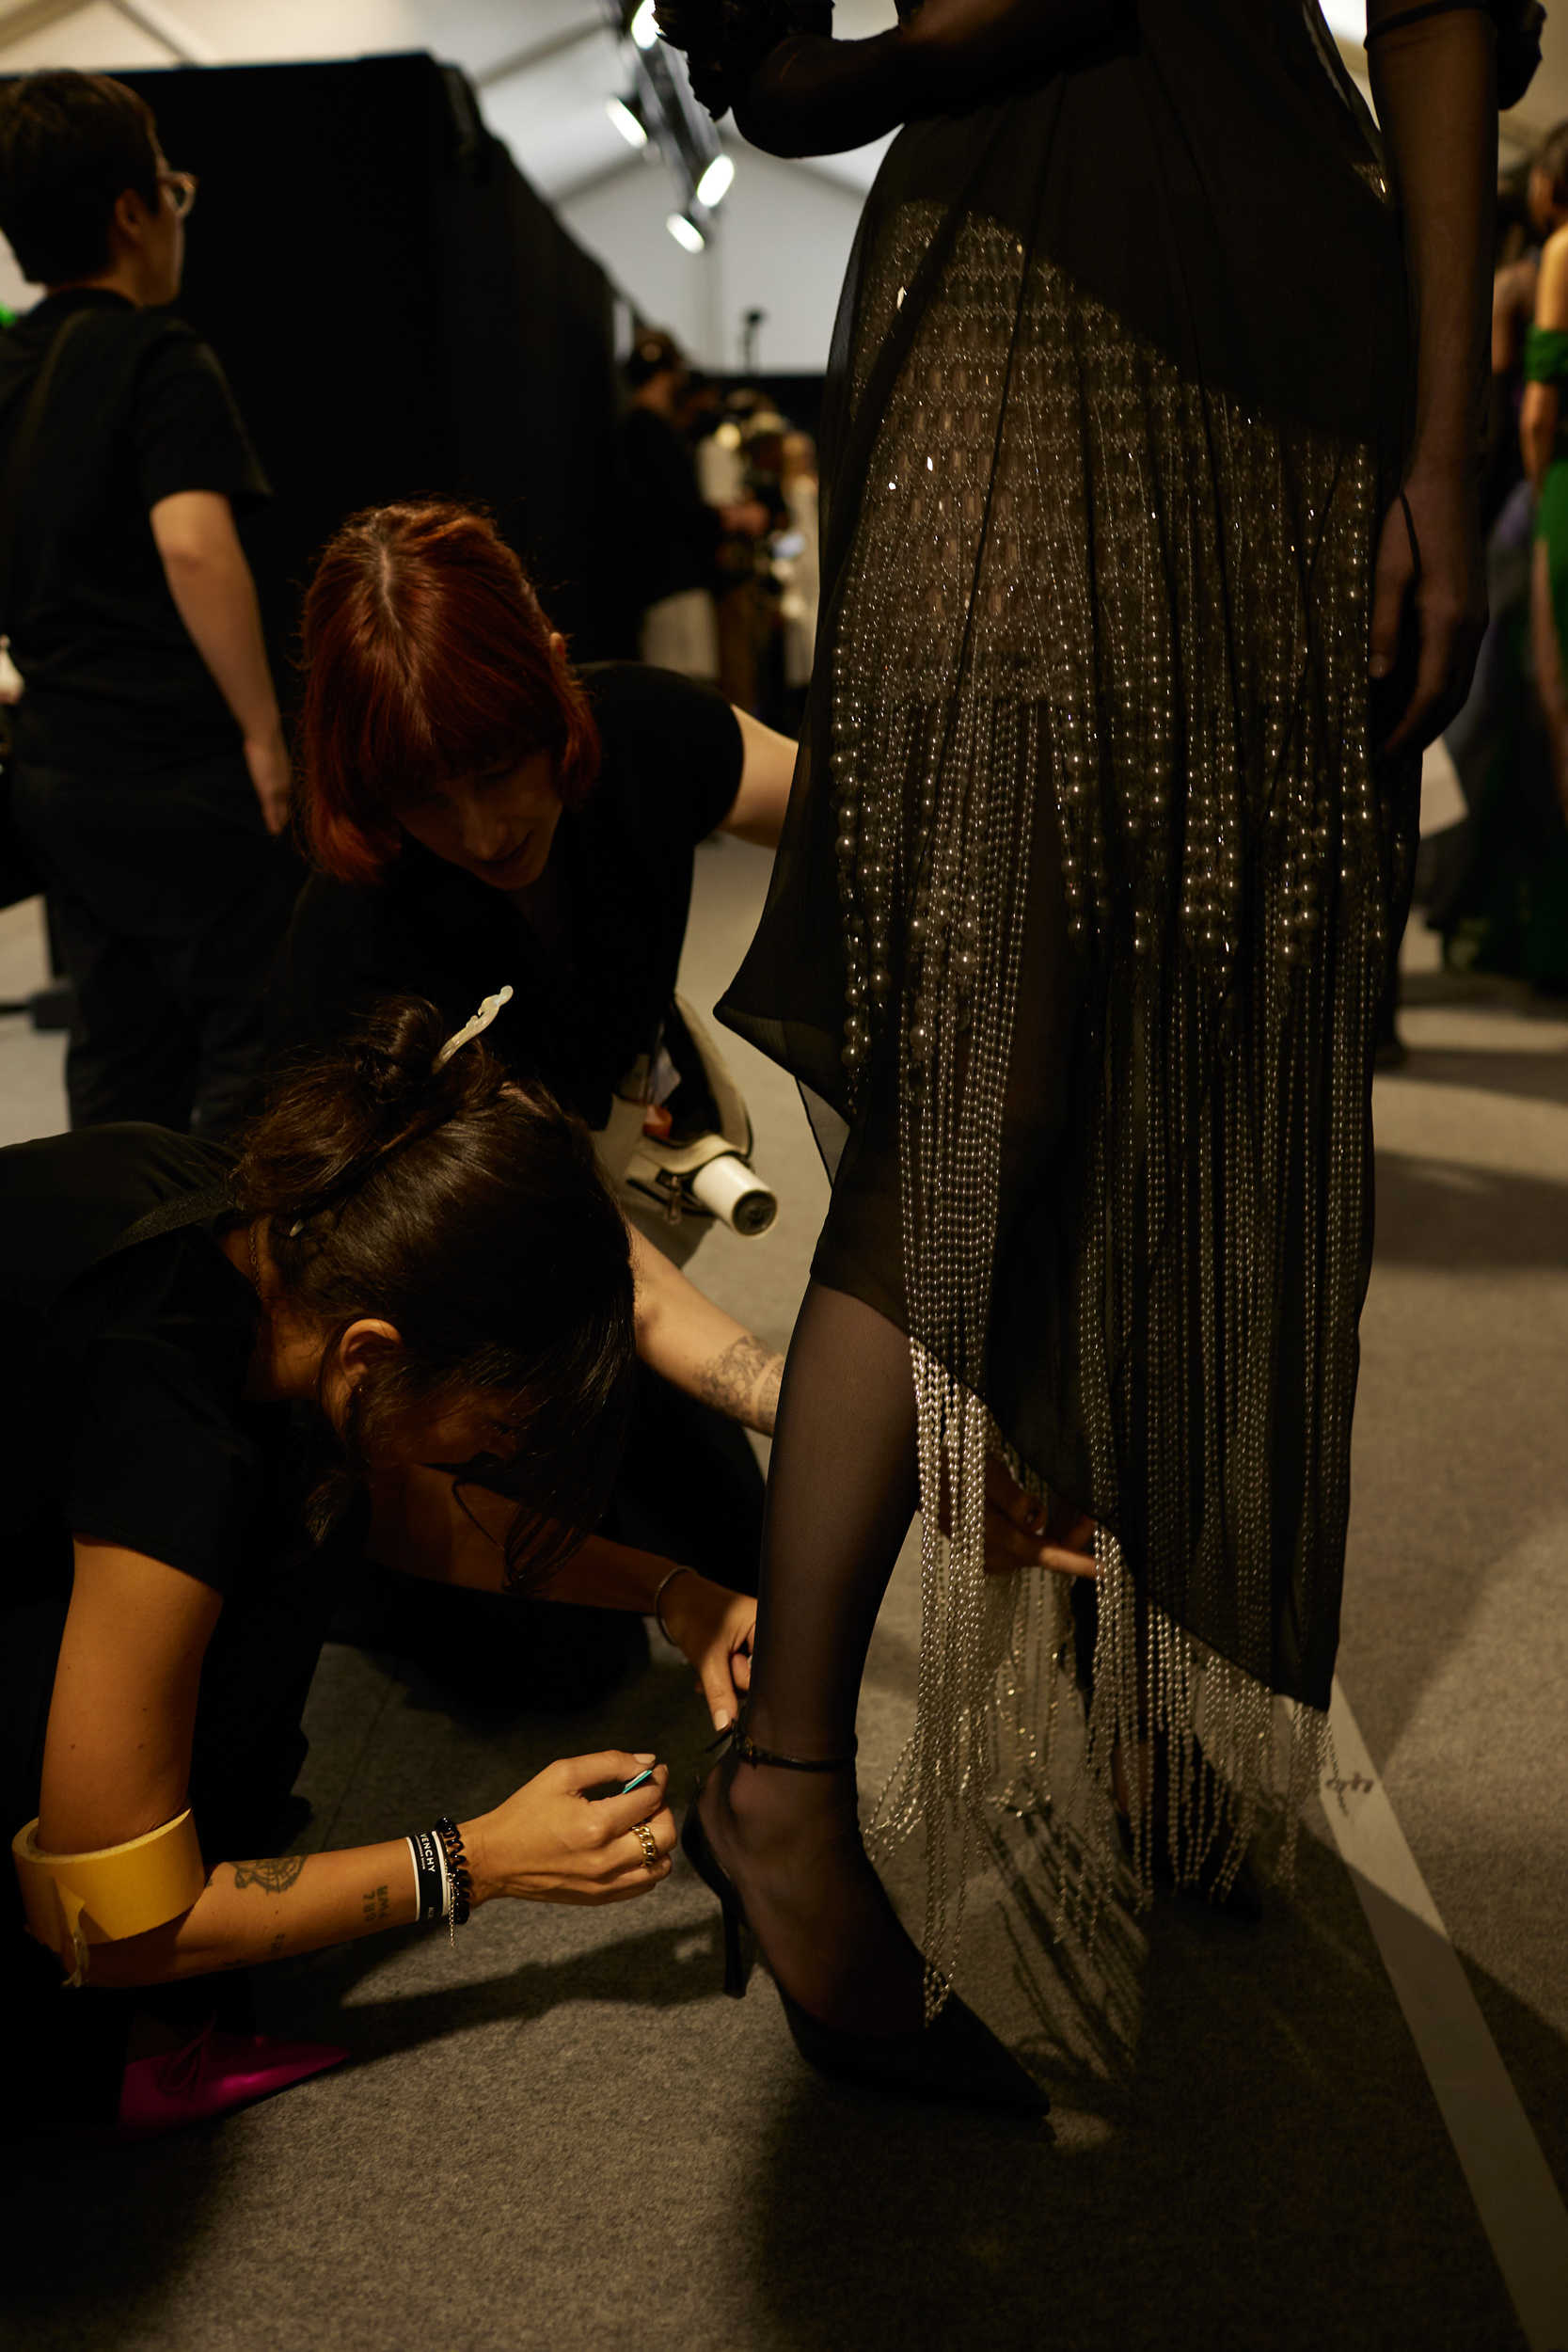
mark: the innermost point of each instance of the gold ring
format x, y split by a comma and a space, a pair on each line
650, 1848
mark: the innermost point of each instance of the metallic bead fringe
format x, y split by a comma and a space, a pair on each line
1076, 573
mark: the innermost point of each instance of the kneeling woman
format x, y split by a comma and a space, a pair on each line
478, 811
410, 1261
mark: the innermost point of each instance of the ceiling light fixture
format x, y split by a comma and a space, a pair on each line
685, 232
623, 116
714, 185
644, 32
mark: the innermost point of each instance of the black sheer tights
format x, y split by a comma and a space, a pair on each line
841, 1491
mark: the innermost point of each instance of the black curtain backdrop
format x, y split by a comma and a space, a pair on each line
400, 316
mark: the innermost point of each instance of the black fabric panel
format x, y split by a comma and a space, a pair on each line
398, 315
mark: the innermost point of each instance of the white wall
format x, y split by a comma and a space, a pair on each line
782, 242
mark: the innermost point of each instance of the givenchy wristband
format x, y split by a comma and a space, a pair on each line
430, 1876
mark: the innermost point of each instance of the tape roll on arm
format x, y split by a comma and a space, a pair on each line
74, 1901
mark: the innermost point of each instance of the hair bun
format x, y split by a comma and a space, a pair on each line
396, 1053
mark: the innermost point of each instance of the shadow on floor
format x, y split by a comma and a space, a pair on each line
1253, 2161
1460, 1219
1264, 2166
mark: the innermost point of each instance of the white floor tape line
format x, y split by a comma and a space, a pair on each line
1520, 2208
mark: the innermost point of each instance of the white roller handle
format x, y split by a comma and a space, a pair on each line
727, 1187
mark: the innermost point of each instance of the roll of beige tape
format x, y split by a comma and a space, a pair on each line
116, 1891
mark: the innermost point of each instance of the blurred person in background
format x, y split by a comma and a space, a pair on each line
151, 773
676, 537
797, 567
749, 668
1545, 460
1495, 884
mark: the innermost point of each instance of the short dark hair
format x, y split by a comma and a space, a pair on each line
71, 144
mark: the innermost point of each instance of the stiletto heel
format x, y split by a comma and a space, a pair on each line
956, 2060
699, 1854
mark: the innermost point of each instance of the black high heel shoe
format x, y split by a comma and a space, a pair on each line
1242, 1899
956, 2060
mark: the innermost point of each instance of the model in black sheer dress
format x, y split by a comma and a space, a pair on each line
1151, 563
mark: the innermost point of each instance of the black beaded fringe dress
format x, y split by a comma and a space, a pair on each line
1091, 878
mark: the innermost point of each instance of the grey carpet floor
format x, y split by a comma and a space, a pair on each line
559, 2133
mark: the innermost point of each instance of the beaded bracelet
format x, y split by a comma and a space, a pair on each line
457, 1867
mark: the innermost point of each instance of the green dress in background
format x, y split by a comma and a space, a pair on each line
1506, 911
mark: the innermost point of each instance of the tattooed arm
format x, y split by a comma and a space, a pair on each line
698, 1347
117, 1759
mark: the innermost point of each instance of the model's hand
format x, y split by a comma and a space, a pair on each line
1021, 1532
714, 1627
1448, 596
272, 775
553, 1843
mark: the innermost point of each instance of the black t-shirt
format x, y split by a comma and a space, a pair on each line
580, 1018
137, 410
675, 535
121, 1411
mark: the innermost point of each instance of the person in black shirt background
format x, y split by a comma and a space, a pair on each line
676, 535
151, 773
480, 815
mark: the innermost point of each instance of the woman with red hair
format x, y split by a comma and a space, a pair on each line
479, 813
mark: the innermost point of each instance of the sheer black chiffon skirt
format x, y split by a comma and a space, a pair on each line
1091, 874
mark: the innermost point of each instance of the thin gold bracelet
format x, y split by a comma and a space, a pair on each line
659, 1602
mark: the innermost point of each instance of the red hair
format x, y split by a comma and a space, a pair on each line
427, 656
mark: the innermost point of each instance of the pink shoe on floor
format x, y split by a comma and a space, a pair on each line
211, 2075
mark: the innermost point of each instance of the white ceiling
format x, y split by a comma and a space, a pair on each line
545, 67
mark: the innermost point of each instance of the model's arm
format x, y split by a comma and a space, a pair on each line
1538, 413
210, 583
1436, 90
115, 1764
757, 811
814, 96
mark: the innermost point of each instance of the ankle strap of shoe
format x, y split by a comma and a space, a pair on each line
748, 1753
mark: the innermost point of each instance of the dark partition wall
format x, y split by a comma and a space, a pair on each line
399, 315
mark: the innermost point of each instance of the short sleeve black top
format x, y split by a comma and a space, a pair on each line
671, 768
137, 410
122, 1375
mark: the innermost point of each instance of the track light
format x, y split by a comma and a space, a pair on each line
714, 185
685, 232
623, 113
644, 32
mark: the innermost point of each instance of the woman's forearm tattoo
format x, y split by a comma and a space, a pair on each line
743, 1383
274, 1876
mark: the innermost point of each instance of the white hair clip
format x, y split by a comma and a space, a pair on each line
472, 1029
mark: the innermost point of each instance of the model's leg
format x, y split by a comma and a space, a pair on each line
843, 1488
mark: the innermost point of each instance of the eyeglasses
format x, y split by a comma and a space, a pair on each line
181, 187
